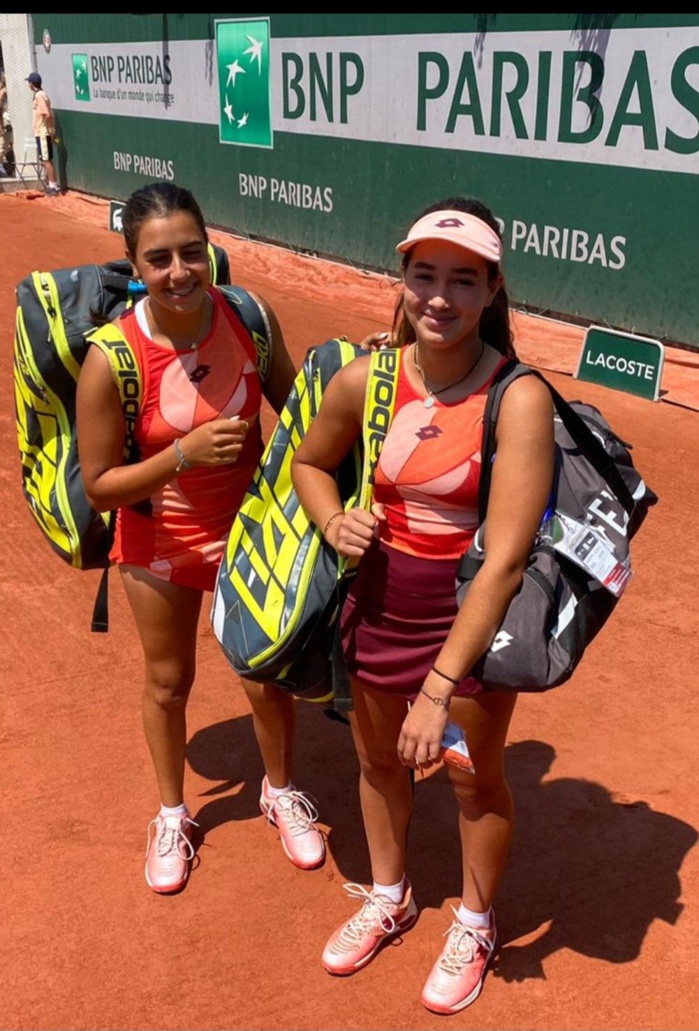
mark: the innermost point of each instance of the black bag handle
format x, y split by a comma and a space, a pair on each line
576, 427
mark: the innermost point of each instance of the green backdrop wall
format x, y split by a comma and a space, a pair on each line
329, 133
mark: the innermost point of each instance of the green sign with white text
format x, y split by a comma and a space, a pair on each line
621, 361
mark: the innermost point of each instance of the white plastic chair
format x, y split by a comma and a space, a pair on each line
29, 170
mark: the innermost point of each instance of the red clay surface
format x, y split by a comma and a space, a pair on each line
598, 909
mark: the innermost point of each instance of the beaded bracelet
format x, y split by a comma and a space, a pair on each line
183, 464
330, 521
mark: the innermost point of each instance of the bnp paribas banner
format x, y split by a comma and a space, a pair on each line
329, 133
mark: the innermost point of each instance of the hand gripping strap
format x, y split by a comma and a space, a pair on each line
379, 403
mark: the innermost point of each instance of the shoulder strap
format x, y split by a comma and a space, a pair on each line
511, 370
379, 403
219, 265
127, 376
576, 427
255, 321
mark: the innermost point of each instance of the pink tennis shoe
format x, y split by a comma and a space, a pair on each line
357, 940
169, 853
457, 977
295, 817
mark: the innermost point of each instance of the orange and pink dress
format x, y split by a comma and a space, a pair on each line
179, 533
402, 602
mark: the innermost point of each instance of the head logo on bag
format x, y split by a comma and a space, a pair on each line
580, 562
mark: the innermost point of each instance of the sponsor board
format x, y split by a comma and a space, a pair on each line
115, 209
622, 361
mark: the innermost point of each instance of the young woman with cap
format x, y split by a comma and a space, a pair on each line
408, 648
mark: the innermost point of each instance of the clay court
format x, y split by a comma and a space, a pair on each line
598, 912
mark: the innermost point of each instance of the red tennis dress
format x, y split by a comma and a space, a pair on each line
179, 533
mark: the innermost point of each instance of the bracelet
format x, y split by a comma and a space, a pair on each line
182, 463
330, 521
445, 677
435, 700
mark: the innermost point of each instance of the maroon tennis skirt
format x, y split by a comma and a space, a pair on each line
396, 618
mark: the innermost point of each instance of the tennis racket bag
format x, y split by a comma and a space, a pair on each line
580, 562
280, 587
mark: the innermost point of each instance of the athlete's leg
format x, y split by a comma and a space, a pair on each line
291, 811
385, 786
273, 721
385, 789
167, 618
486, 815
486, 811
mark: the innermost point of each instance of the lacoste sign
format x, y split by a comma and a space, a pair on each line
622, 361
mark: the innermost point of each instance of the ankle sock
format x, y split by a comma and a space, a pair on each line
178, 810
276, 792
394, 892
480, 921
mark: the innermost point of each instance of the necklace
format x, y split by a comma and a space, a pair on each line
185, 343
431, 394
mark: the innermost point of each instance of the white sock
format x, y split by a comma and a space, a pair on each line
480, 921
394, 892
276, 792
178, 810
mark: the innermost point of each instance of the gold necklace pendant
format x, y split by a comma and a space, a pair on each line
430, 401
177, 343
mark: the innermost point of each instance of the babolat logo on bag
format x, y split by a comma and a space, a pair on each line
383, 397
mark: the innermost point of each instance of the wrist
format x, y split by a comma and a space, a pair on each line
329, 523
443, 701
182, 463
445, 677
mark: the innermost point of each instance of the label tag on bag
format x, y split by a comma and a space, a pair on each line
589, 549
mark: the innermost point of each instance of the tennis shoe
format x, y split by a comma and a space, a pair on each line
357, 940
457, 977
169, 853
295, 817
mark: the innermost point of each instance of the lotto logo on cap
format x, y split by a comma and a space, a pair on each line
467, 231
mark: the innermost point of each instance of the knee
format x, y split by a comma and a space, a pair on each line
381, 766
168, 687
268, 699
476, 797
